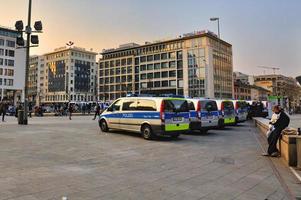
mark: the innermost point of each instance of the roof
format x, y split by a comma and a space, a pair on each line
181, 38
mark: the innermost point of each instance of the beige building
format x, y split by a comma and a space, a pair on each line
259, 93
66, 74
189, 65
279, 85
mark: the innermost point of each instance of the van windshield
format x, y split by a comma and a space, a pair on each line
209, 105
228, 105
241, 104
176, 106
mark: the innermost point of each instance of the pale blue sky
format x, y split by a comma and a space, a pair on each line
262, 32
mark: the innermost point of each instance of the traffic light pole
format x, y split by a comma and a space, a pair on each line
28, 32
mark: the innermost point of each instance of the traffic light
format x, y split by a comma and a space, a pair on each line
38, 26
19, 25
34, 39
20, 41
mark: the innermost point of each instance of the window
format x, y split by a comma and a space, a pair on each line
180, 83
164, 74
172, 55
157, 75
157, 83
146, 105
143, 76
142, 67
190, 105
150, 66
123, 62
1, 61
157, 66
157, 57
150, 58
116, 106
172, 73
180, 73
172, 64
1, 52
172, 83
1, 42
164, 65
163, 56
164, 83
143, 59
129, 105
179, 64
129, 61
9, 62
10, 43
150, 75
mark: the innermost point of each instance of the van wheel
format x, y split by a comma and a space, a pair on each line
103, 126
147, 132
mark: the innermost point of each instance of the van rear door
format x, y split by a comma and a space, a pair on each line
176, 114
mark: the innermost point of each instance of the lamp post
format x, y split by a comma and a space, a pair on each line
31, 39
219, 50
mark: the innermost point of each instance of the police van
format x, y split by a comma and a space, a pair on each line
206, 112
241, 110
226, 108
150, 116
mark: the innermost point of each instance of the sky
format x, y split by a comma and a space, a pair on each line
262, 32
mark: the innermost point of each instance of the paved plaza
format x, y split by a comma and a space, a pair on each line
54, 157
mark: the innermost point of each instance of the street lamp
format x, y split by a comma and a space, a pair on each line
219, 50
31, 39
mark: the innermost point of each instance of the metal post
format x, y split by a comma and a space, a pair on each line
28, 32
219, 56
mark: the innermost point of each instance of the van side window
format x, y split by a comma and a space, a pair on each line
116, 105
146, 105
190, 105
129, 105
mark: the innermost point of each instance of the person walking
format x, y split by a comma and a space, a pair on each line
70, 109
4, 107
281, 123
97, 111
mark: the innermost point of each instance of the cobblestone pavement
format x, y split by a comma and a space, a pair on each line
56, 157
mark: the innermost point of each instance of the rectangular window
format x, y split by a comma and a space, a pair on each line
157, 57
143, 59
123, 62
150, 67
129, 105
164, 65
164, 74
172, 73
129, 61
142, 67
150, 75
1, 52
157, 75
164, 83
157, 84
172, 55
146, 105
1, 42
172, 83
1, 61
172, 64
163, 56
10, 43
150, 58
143, 76
157, 66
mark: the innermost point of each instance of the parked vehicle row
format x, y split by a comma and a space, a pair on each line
171, 116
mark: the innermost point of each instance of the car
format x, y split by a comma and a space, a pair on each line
150, 116
241, 110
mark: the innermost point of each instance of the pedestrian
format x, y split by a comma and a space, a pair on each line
4, 107
97, 111
30, 109
281, 123
70, 109
273, 120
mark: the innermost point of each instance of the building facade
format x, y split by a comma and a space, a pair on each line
279, 85
242, 90
12, 67
67, 74
259, 93
190, 65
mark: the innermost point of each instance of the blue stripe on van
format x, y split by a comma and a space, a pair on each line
145, 115
206, 113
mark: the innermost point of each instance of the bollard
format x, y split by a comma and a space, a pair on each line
20, 116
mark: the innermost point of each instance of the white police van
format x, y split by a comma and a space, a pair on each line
241, 110
151, 116
204, 114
